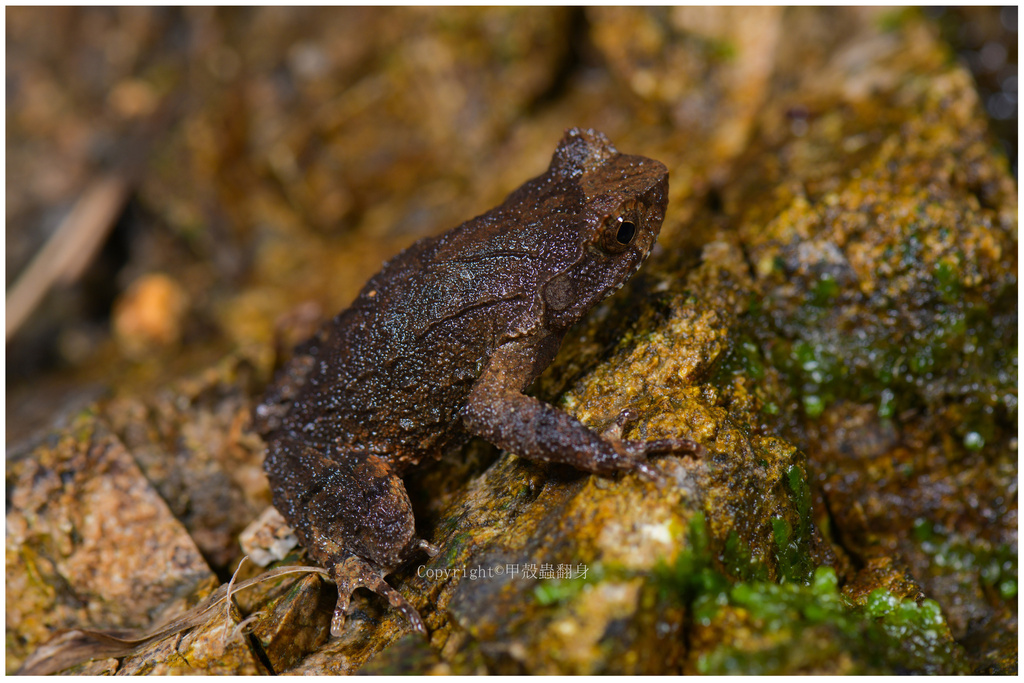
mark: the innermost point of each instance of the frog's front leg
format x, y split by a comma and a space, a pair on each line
352, 513
356, 573
498, 411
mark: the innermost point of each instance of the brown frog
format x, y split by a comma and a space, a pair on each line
440, 345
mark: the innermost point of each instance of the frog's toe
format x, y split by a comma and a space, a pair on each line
338, 620
640, 450
646, 471
426, 546
396, 600
672, 446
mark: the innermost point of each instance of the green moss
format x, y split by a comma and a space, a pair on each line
814, 405
995, 567
774, 605
713, 49
896, 19
781, 533
947, 281
883, 635
555, 591
886, 635
973, 441
824, 291
752, 361
880, 602
816, 371
792, 540
693, 578
743, 358
930, 332
886, 404
799, 490
455, 547
958, 349
739, 562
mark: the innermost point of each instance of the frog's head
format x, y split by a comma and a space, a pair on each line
622, 205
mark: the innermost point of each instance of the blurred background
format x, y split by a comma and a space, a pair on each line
180, 179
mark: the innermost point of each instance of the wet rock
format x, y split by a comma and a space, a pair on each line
268, 539
409, 655
192, 442
217, 647
89, 542
295, 624
884, 280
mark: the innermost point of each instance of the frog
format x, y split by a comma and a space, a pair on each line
440, 346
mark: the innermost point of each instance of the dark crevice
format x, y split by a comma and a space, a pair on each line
686, 630
714, 201
836, 535
751, 270
222, 572
260, 653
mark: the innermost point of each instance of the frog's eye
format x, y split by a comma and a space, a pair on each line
619, 233
626, 232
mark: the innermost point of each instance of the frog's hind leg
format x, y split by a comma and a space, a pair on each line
351, 512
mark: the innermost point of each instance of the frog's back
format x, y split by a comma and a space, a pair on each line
398, 364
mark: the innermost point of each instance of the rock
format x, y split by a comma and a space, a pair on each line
192, 441
268, 539
216, 647
90, 544
885, 280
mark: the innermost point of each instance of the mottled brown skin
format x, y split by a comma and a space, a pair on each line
440, 345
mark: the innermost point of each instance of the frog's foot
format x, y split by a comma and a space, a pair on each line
662, 447
356, 573
635, 453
